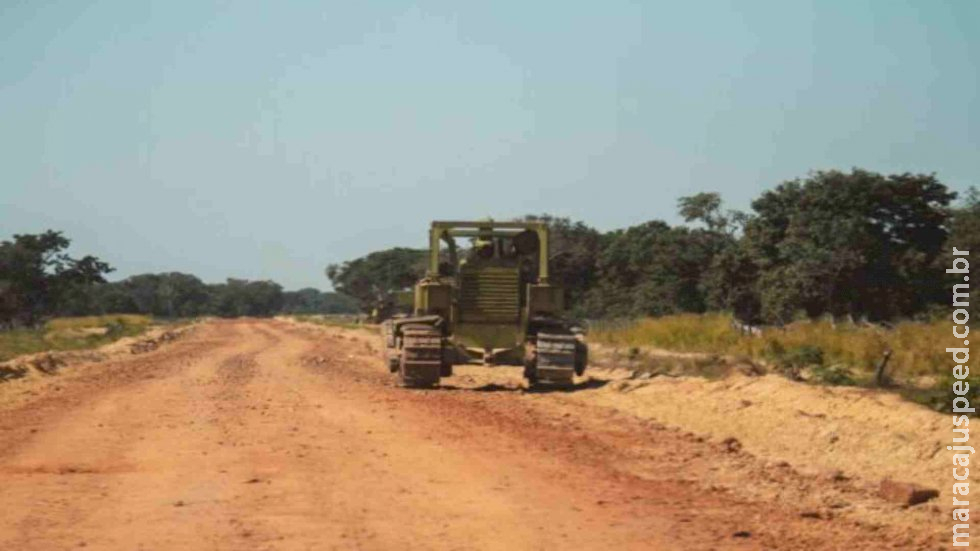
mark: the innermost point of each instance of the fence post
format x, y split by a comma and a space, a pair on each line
880, 378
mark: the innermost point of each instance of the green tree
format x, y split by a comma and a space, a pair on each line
239, 297
731, 284
111, 298
573, 249
964, 234
313, 301
182, 295
37, 276
706, 208
372, 279
653, 269
142, 292
858, 244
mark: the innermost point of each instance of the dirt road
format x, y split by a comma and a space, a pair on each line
269, 435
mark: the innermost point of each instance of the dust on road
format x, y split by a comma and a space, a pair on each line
261, 434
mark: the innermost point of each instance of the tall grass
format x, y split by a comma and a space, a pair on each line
86, 322
917, 348
71, 334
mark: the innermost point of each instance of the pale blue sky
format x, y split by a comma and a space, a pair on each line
266, 140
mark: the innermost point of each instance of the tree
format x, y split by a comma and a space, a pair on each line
374, 278
142, 292
239, 297
313, 301
181, 295
731, 284
964, 234
37, 276
706, 208
111, 298
263, 298
573, 249
858, 244
653, 269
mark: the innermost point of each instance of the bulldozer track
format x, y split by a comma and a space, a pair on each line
556, 357
421, 356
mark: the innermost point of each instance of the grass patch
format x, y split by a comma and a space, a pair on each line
817, 351
645, 364
915, 346
711, 333
71, 334
347, 321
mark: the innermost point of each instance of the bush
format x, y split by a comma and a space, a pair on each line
940, 395
837, 375
790, 361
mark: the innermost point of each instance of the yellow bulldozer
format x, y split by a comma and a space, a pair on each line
493, 304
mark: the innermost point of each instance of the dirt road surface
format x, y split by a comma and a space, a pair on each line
259, 435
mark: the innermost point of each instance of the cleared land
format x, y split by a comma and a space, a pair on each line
267, 434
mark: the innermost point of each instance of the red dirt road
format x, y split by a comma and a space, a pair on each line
269, 435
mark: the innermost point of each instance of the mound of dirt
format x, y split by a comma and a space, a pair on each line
49, 363
152, 343
865, 434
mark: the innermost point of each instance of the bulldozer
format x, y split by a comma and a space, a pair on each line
489, 303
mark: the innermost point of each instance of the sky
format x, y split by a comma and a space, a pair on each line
266, 140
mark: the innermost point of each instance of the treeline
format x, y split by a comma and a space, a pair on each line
849, 245
39, 280
852, 245
178, 295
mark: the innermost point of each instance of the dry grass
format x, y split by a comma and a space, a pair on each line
918, 349
71, 334
347, 321
84, 322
